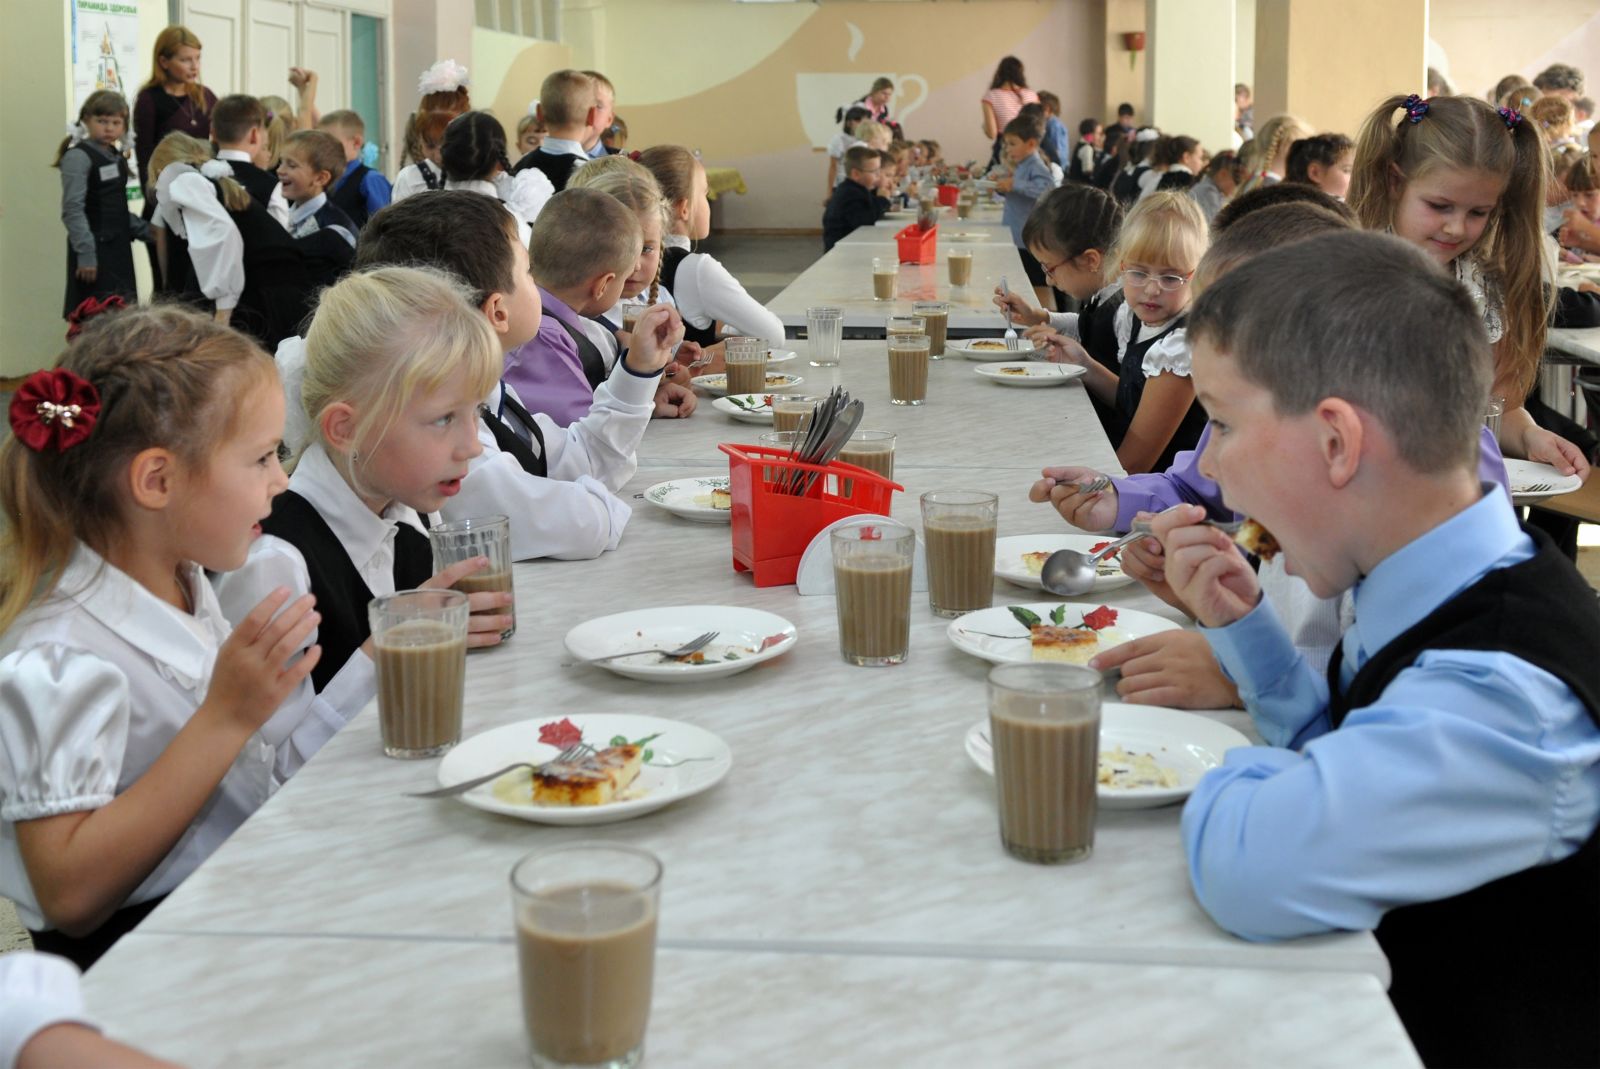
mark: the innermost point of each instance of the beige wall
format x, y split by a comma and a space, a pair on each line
1323, 62
1244, 41
1484, 40
1125, 73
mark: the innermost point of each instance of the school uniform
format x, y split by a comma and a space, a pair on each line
1094, 326
95, 682
1176, 177
558, 484
1148, 351
323, 539
100, 228
318, 215
415, 178
1126, 187
1449, 763
261, 184
37, 991
706, 294
559, 368
211, 265
1106, 172
360, 192
852, 205
1085, 161
556, 158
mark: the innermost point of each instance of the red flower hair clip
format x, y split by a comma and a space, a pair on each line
87, 309
54, 410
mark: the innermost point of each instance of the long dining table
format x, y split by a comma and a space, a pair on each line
840, 898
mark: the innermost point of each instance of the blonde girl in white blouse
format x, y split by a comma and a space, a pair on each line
137, 730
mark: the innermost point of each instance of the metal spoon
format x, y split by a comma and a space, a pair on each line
1068, 572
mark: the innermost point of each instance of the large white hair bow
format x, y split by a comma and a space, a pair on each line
445, 76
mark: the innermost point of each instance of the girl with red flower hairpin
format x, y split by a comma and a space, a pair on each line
137, 729
1465, 182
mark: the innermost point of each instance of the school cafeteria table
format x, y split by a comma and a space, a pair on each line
843, 889
1581, 345
985, 220
843, 278
424, 1003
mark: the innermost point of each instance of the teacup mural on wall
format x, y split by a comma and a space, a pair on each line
818, 96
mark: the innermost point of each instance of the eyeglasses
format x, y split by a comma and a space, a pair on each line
1140, 279
1050, 269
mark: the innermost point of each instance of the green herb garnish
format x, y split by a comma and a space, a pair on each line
1058, 616
1026, 617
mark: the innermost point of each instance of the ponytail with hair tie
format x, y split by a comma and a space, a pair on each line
1510, 117
87, 309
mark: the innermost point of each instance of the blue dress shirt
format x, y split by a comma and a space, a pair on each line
1473, 765
1030, 181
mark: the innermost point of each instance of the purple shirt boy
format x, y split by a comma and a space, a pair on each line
546, 371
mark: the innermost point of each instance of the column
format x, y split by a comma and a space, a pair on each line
1331, 64
1189, 78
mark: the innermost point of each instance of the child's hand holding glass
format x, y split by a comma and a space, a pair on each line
484, 626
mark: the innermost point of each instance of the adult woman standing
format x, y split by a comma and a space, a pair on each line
173, 98
1007, 94
877, 101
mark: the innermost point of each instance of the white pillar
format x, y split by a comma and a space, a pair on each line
1189, 75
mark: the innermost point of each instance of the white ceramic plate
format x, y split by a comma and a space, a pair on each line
1030, 373
690, 498
1189, 744
780, 356
975, 632
1009, 566
1526, 473
698, 760
741, 634
717, 385
964, 347
752, 407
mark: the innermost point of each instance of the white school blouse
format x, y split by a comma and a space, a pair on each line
37, 991
95, 681
705, 293
367, 538
187, 205
410, 180
522, 196
574, 513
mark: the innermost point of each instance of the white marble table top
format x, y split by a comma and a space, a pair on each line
842, 278
797, 848
1581, 344
985, 217
400, 1003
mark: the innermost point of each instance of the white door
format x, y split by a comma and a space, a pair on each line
325, 48
219, 25
271, 41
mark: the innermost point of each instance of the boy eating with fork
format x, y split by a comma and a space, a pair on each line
1442, 785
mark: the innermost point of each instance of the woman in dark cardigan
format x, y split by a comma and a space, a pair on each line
173, 99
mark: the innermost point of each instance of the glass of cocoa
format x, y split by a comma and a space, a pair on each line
419, 640
746, 360
958, 528
585, 916
481, 536
872, 581
1044, 724
908, 369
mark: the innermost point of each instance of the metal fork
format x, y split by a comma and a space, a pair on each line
1536, 488
1096, 485
571, 753
682, 651
1011, 341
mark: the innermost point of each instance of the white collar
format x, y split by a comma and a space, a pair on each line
559, 146
359, 531
474, 185
150, 625
236, 155
306, 209
677, 241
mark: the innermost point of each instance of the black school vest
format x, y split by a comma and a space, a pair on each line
1097, 331
342, 595
351, 198
505, 424
1130, 388
557, 166
106, 201
432, 177
1506, 974
279, 282
594, 362
258, 183
670, 259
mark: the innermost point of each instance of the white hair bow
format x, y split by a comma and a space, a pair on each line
445, 76
216, 169
533, 107
76, 132
1149, 133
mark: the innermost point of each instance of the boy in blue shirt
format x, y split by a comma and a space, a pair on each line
360, 190
1030, 179
1442, 784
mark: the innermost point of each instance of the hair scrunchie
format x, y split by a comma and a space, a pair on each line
54, 410
88, 308
1511, 118
1416, 108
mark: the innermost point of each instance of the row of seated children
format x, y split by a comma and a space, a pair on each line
1376, 313
185, 705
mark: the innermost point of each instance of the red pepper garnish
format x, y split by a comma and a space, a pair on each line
1100, 618
771, 641
560, 733
1098, 546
